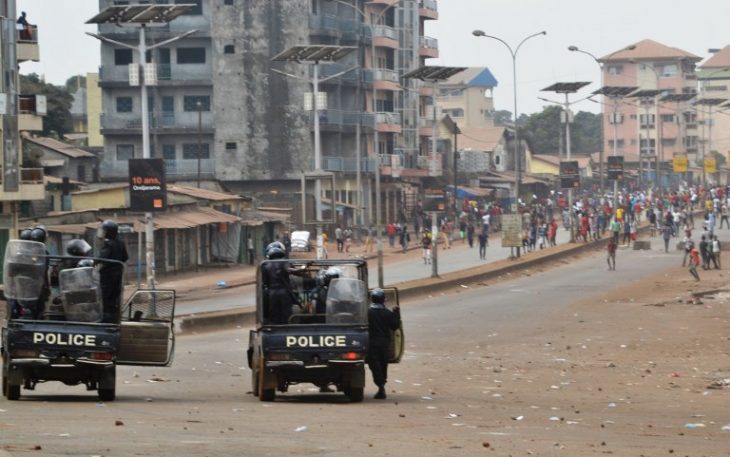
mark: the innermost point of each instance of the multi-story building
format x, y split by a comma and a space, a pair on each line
18, 185
714, 82
254, 133
651, 65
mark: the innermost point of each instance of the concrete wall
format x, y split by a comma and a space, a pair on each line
104, 198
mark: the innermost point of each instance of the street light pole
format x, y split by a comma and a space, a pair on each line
199, 105
513, 53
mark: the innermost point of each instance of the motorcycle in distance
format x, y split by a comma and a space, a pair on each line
68, 338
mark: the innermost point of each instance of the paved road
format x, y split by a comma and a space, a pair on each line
460, 257
445, 400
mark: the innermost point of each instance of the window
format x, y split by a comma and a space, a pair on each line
228, 2
195, 10
497, 160
619, 143
668, 118
190, 55
690, 141
122, 56
231, 146
647, 147
615, 69
168, 104
81, 173
455, 112
124, 104
716, 88
669, 141
125, 151
190, 151
168, 152
229, 49
190, 102
669, 70
647, 120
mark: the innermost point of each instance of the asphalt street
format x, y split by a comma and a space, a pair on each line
441, 396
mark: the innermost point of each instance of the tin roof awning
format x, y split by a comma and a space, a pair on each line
193, 218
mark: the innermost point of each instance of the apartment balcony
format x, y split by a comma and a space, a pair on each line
386, 79
335, 26
347, 74
347, 164
174, 169
425, 127
426, 90
31, 109
385, 36
180, 25
337, 120
163, 123
167, 75
383, 2
391, 165
429, 47
387, 122
428, 9
30, 187
27, 45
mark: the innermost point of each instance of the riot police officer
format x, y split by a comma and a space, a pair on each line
324, 278
381, 321
111, 273
277, 287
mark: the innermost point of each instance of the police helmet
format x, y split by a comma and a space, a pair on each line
25, 234
378, 296
85, 263
326, 276
78, 248
110, 229
276, 244
39, 234
275, 253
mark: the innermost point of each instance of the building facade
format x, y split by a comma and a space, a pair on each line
220, 94
714, 82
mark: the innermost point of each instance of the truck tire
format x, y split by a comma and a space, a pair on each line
355, 394
255, 382
12, 392
108, 379
264, 393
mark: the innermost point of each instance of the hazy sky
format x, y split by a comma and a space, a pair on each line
598, 27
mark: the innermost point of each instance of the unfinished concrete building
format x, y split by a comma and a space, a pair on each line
219, 88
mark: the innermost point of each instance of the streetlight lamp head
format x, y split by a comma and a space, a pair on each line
478, 33
573, 48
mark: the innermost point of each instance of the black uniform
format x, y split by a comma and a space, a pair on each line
111, 276
279, 292
381, 321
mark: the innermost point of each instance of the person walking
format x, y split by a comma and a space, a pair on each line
381, 322
251, 250
615, 228
704, 253
611, 259
426, 246
405, 238
724, 216
694, 262
339, 239
688, 245
715, 252
483, 245
627, 232
470, 234
666, 236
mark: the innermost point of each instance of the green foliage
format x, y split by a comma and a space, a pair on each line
57, 121
74, 83
543, 131
502, 118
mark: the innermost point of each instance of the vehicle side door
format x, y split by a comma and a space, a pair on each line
146, 334
397, 337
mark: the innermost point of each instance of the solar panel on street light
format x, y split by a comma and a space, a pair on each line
140, 14
433, 73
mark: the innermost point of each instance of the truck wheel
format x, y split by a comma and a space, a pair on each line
264, 394
255, 382
12, 392
355, 394
108, 385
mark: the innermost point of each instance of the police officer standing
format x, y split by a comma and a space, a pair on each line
381, 321
277, 286
111, 273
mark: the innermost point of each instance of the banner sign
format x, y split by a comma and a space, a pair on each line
615, 167
434, 200
680, 164
147, 187
569, 174
710, 166
511, 230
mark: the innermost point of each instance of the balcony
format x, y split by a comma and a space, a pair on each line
386, 79
425, 127
163, 123
334, 119
388, 122
167, 75
347, 164
349, 74
31, 109
385, 36
30, 187
429, 47
27, 45
433, 163
428, 9
383, 2
174, 169
391, 165
335, 26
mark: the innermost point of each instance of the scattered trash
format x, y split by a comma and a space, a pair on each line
554, 418
695, 425
720, 384
148, 400
612, 405
518, 418
451, 415
303, 428
157, 379
221, 284
725, 428
464, 287
118, 423
398, 381
101, 405
64, 434
675, 375
426, 398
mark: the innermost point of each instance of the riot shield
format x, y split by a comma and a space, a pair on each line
80, 294
347, 302
24, 269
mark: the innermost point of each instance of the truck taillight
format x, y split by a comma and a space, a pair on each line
100, 355
351, 356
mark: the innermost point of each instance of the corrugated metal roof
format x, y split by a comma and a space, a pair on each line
204, 194
649, 49
51, 163
472, 77
69, 229
59, 147
480, 139
192, 218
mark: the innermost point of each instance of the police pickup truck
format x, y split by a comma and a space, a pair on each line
325, 340
67, 337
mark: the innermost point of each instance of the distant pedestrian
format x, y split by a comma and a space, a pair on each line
704, 253
426, 242
483, 245
405, 238
339, 237
615, 228
470, 234
251, 250
694, 262
715, 251
611, 259
688, 245
666, 236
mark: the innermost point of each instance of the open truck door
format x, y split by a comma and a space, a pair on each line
147, 333
397, 338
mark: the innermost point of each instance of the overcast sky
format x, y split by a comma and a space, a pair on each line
598, 27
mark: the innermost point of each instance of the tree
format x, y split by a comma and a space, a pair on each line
57, 120
74, 83
502, 117
543, 131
